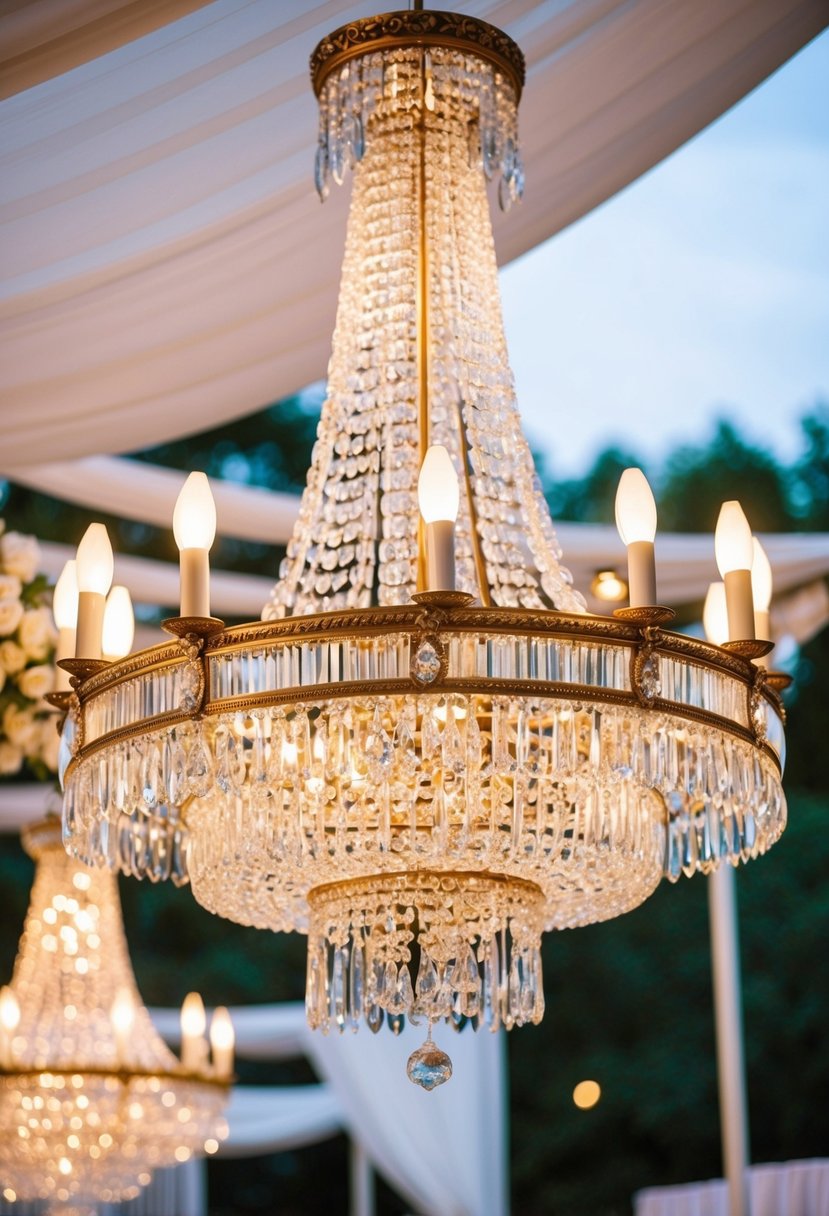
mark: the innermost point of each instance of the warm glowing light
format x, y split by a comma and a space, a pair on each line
609, 586
119, 624
193, 1018
635, 508
65, 597
95, 563
762, 583
222, 1042
9, 1009
733, 544
65, 1165
221, 1029
438, 492
194, 517
122, 1013
211, 1146
715, 615
587, 1094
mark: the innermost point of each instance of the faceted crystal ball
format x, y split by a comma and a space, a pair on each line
429, 1067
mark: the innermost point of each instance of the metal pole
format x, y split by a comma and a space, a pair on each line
362, 1182
728, 1020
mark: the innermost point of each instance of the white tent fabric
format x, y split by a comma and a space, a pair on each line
445, 1152
133, 489
796, 1188
42, 38
165, 264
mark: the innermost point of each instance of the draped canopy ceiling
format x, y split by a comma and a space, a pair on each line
165, 263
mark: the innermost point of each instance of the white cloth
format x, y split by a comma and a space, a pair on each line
445, 1151
165, 264
794, 1188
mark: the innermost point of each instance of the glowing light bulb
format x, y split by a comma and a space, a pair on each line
762, 586
9, 1010
65, 612
762, 582
119, 624
635, 508
715, 615
734, 550
636, 524
222, 1042
65, 597
194, 527
95, 563
194, 517
193, 1024
122, 1018
438, 496
438, 491
94, 570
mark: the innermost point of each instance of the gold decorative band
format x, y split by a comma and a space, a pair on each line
398, 881
389, 31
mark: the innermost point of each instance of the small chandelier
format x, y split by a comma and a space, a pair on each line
428, 752
91, 1099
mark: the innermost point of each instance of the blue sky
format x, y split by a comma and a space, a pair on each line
702, 290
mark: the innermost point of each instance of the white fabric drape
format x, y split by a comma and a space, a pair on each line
166, 266
40, 39
795, 1188
133, 489
444, 1152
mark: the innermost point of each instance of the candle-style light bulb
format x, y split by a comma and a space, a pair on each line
734, 550
193, 1024
122, 1018
194, 527
222, 1042
762, 586
65, 612
94, 570
438, 497
715, 615
636, 523
119, 624
9, 1021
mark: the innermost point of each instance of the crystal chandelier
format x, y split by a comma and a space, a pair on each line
427, 752
91, 1099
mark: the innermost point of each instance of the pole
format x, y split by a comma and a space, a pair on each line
362, 1182
728, 1021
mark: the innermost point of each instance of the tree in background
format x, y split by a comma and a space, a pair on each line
628, 1002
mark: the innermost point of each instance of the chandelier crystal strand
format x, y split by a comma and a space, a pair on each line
87, 1113
422, 779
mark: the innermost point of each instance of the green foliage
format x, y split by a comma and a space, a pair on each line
590, 499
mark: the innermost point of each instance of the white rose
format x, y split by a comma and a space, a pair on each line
19, 555
49, 744
11, 759
11, 614
35, 682
12, 657
10, 587
21, 728
36, 633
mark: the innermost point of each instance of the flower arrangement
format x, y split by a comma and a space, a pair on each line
28, 739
